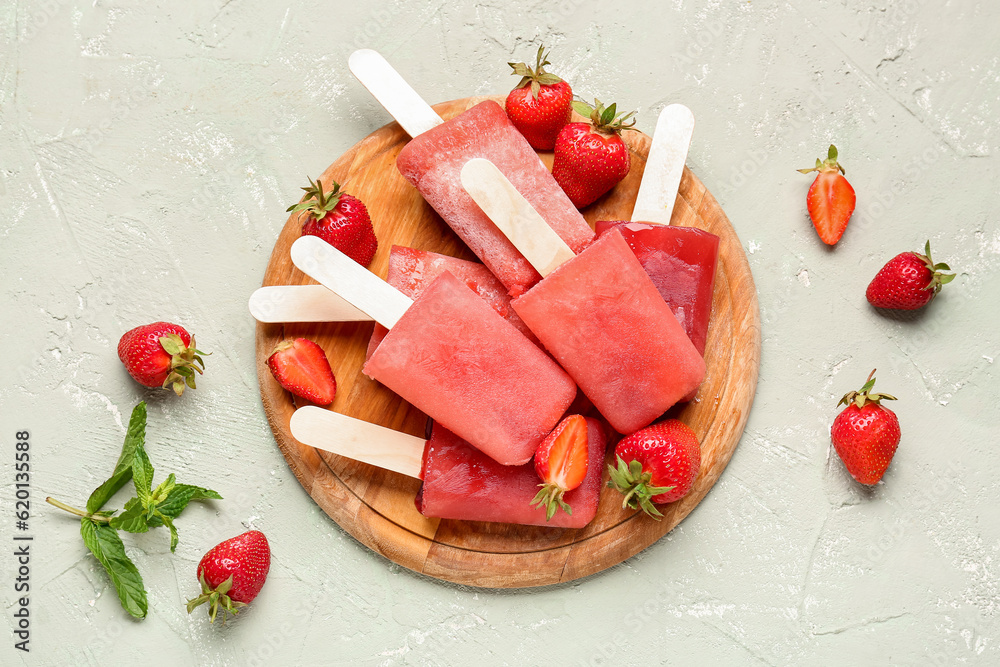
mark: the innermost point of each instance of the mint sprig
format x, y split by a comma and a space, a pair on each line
150, 508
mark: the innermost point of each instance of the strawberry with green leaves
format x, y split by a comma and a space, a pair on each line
656, 465
340, 219
232, 573
591, 158
161, 354
561, 464
540, 104
866, 433
831, 198
908, 281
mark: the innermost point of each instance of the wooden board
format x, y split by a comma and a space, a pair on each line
376, 506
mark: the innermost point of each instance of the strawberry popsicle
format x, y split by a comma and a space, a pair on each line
597, 313
452, 356
459, 481
680, 261
412, 270
433, 161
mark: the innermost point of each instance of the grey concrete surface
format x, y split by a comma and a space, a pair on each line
147, 154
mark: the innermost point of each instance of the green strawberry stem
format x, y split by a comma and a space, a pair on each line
537, 77
550, 496
937, 278
605, 120
185, 360
637, 486
78, 512
215, 598
861, 398
316, 202
829, 164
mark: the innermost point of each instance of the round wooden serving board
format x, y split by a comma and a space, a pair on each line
376, 506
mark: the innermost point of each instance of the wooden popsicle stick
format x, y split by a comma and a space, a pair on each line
391, 90
665, 165
302, 303
358, 440
514, 216
342, 275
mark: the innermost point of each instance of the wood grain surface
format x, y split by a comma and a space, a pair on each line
376, 506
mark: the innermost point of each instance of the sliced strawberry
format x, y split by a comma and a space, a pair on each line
831, 198
561, 463
301, 367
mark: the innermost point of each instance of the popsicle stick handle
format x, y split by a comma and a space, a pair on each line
514, 216
354, 283
391, 90
358, 440
664, 166
302, 303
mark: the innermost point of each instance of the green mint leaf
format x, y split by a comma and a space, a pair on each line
134, 437
142, 474
173, 530
132, 519
164, 489
107, 547
179, 498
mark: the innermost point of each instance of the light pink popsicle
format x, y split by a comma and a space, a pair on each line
603, 320
433, 160
454, 358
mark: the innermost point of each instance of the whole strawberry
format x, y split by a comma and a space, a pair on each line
232, 573
339, 219
908, 281
657, 464
591, 158
865, 434
540, 104
161, 354
831, 198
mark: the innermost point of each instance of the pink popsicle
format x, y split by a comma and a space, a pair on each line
461, 483
454, 358
602, 319
681, 262
433, 161
412, 270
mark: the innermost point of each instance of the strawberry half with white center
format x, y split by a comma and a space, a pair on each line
866, 434
831, 198
908, 281
656, 465
540, 104
591, 158
300, 366
161, 354
232, 573
340, 219
561, 464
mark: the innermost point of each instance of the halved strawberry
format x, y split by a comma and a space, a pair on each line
561, 463
831, 198
301, 367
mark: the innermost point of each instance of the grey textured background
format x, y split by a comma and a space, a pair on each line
147, 154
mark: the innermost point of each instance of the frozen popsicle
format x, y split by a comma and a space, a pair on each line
680, 261
459, 481
433, 161
452, 356
597, 313
411, 271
